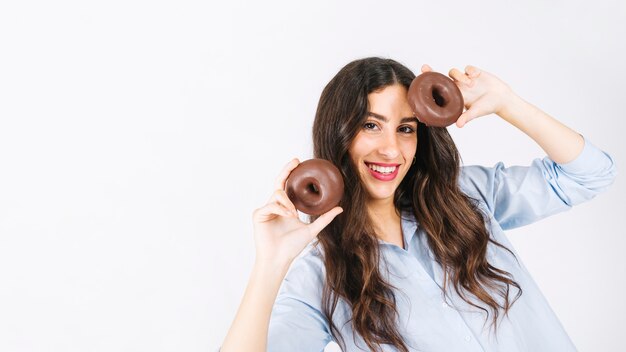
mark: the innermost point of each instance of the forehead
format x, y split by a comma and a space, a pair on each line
390, 100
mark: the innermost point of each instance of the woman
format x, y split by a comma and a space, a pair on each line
415, 257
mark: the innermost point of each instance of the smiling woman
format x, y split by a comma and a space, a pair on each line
379, 124
383, 151
415, 257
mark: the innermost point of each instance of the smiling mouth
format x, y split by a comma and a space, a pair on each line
385, 170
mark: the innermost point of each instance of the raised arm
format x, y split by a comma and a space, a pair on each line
573, 172
279, 237
484, 94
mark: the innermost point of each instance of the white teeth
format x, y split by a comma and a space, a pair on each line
381, 169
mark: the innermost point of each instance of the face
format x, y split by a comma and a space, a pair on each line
384, 148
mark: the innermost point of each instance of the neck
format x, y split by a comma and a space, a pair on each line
385, 219
382, 212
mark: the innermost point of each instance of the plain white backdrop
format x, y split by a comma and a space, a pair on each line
137, 137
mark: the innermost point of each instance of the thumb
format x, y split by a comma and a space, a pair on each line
318, 225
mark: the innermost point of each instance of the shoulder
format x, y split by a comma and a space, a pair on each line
298, 307
310, 260
473, 177
306, 276
480, 182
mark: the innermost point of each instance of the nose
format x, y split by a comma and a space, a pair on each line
388, 147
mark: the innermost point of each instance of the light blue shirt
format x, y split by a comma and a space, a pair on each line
511, 197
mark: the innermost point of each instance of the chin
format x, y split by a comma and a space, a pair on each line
378, 195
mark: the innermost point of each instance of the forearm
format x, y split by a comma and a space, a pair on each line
561, 143
248, 331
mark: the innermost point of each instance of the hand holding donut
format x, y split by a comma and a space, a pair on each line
483, 93
279, 234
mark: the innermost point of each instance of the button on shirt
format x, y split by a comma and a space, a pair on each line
510, 197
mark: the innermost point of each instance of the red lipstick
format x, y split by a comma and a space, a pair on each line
381, 176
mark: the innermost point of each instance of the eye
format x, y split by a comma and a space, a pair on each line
407, 129
369, 126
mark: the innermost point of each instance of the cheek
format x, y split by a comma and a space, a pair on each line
354, 158
358, 149
410, 148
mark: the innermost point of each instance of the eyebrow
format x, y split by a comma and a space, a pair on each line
384, 119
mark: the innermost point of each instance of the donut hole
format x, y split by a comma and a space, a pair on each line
438, 97
312, 188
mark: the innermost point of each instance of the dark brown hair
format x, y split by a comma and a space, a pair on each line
454, 225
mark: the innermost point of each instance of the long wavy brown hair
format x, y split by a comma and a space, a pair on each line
455, 227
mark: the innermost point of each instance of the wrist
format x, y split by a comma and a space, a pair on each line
271, 266
266, 277
513, 107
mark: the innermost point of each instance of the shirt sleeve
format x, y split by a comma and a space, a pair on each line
297, 323
519, 195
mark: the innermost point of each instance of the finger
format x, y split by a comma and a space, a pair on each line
472, 71
426, 68
466, 117
459, 76
270, 211
280, 196
284, 174
318, 225
460, 122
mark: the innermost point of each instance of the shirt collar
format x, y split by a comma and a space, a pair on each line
409, 227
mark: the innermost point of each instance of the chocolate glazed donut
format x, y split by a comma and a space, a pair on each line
435, 99
315, 186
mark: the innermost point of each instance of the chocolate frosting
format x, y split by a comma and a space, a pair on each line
315, 186
435, 99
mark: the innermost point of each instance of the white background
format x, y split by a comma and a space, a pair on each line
137, 137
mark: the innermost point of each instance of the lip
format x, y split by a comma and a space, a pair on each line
382, 177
